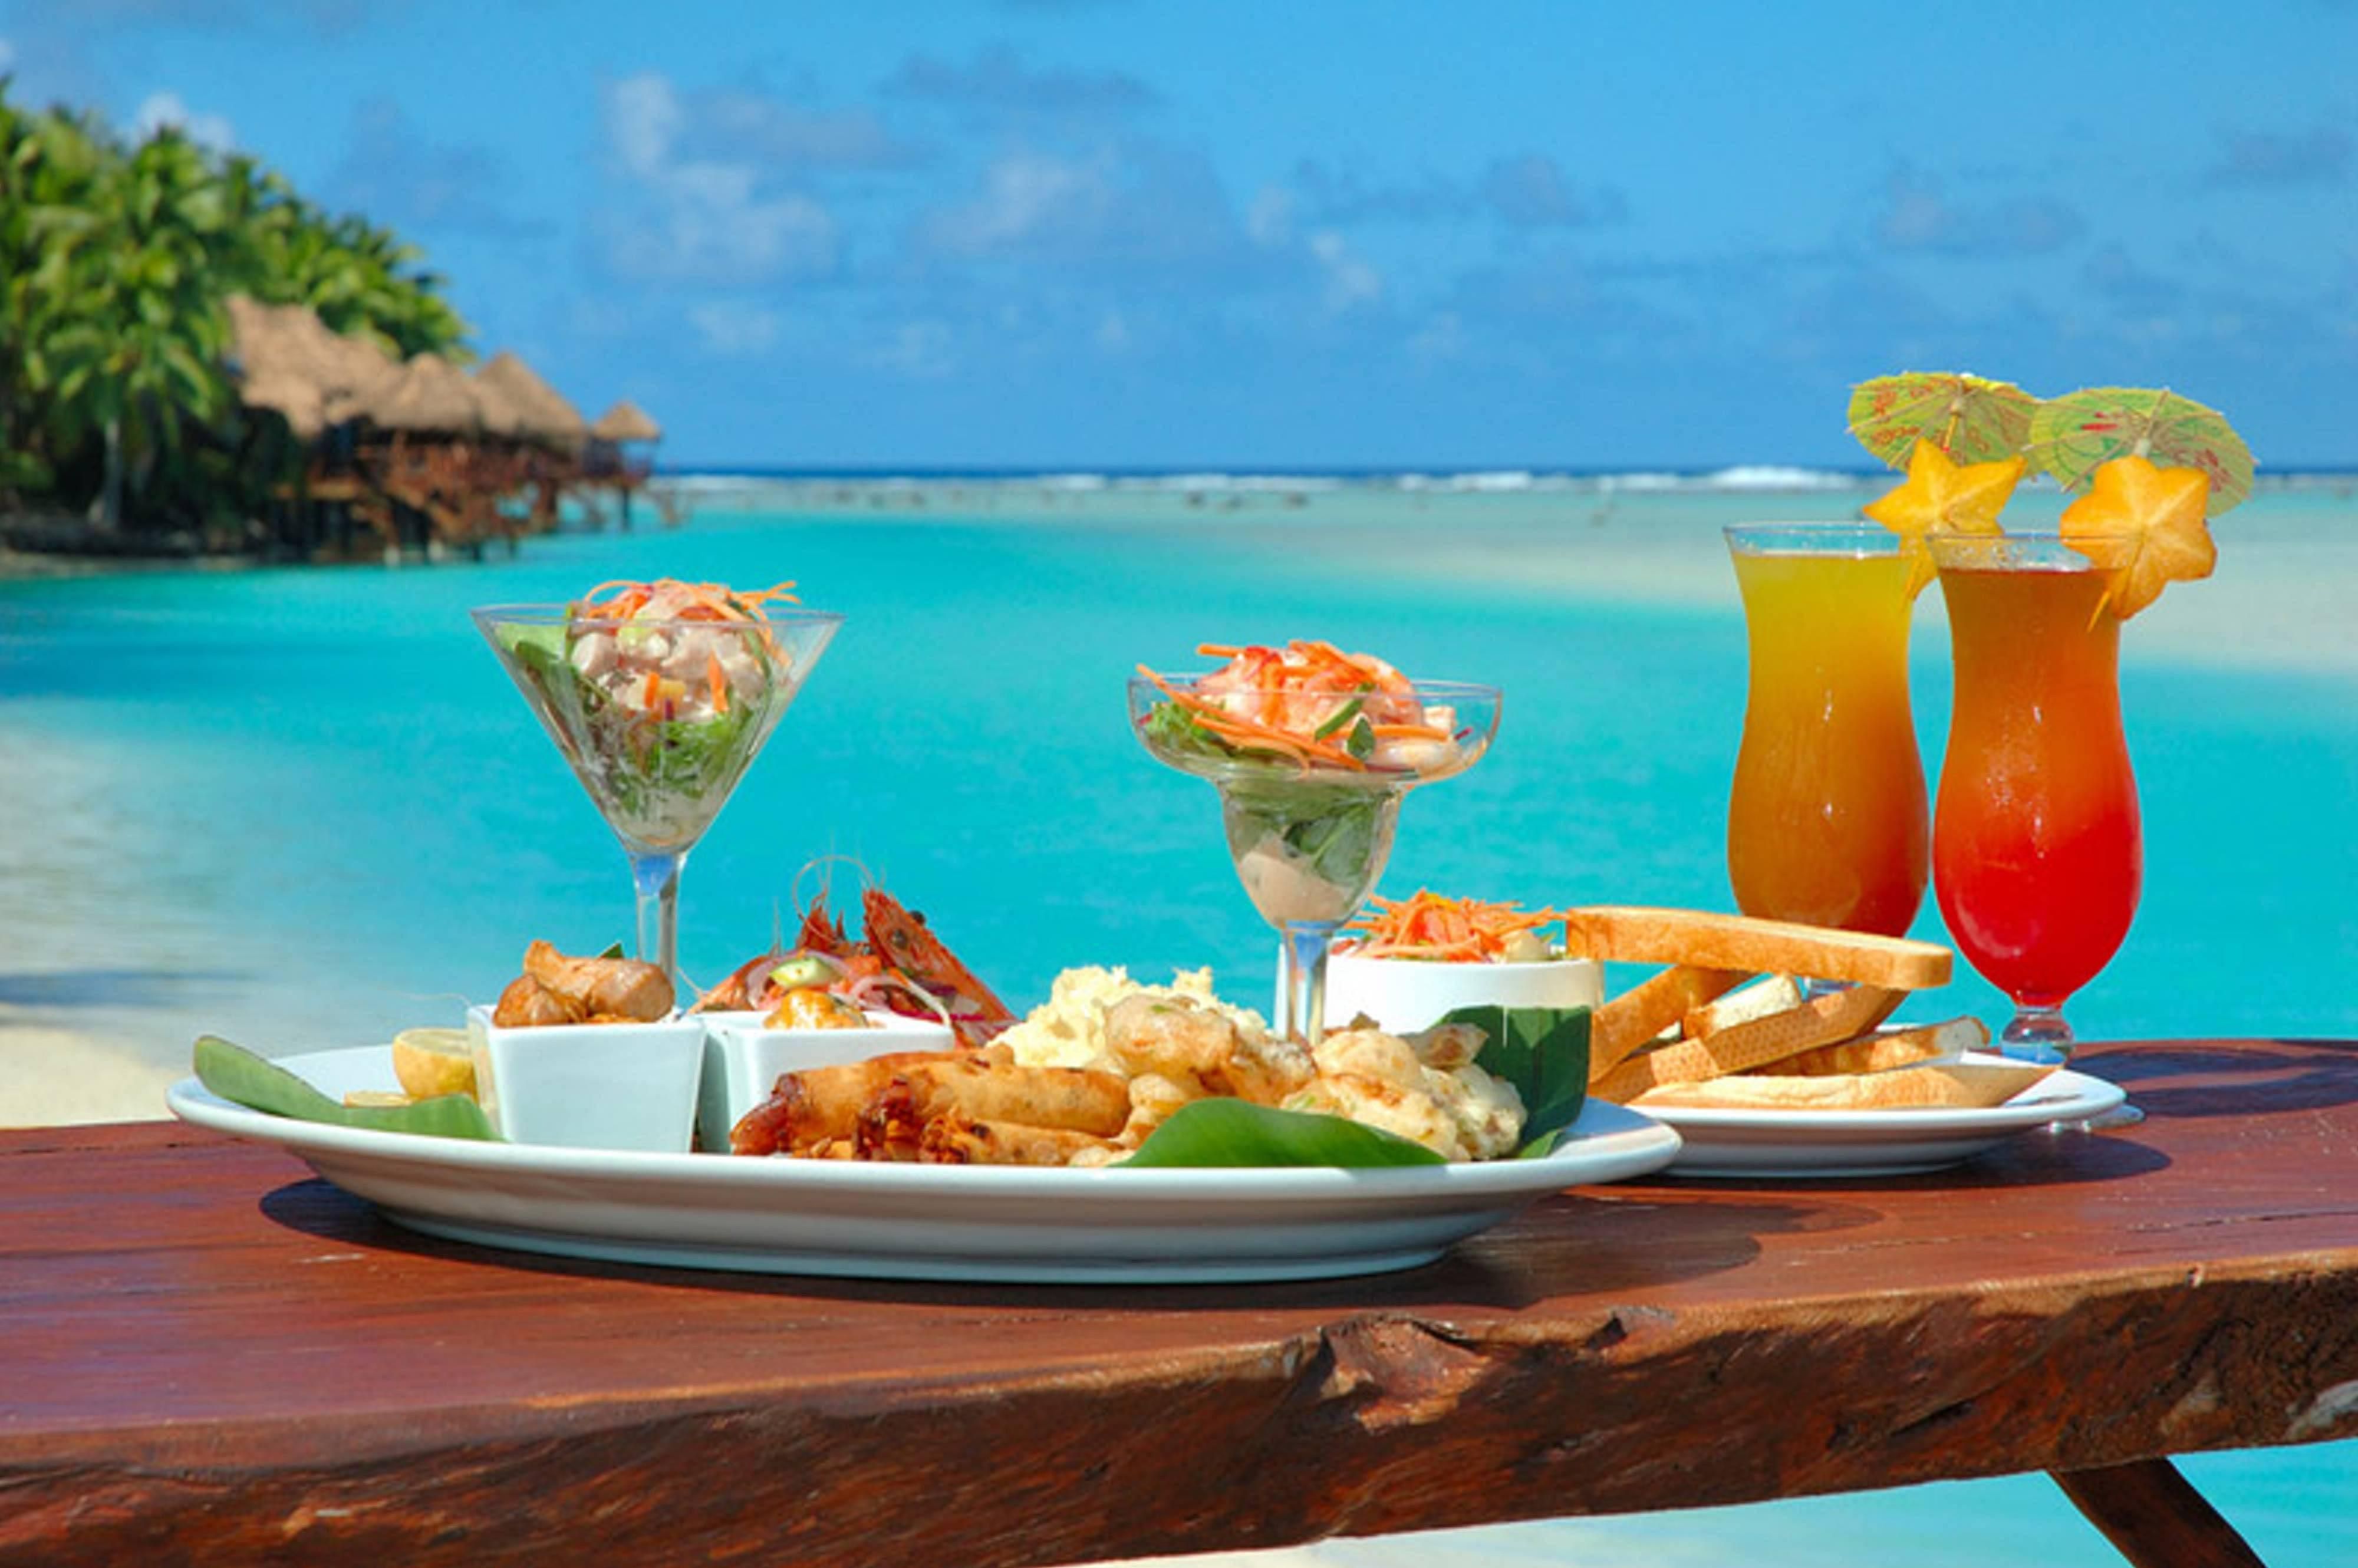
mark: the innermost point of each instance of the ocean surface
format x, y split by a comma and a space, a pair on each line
303, 807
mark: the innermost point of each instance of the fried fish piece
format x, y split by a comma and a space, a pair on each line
1190, 1043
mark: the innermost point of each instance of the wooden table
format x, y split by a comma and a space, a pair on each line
204, 1354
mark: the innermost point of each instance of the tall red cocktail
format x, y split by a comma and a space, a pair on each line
2036, 856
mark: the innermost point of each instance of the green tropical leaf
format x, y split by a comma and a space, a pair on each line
1230, 1133
240, 1076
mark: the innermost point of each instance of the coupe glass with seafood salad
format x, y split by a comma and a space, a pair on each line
1312, 750
659, 695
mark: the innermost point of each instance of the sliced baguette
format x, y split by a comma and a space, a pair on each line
1891, 1049
1821, 1021
1960, 1086
1630, 1022
1770, 993
1697, 937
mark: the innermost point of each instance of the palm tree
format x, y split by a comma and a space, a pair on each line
114, 263
146, 346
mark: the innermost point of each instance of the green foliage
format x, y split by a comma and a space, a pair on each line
1232, 1133
240, 1076
115, 259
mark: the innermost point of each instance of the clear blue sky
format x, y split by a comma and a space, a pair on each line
1058, 232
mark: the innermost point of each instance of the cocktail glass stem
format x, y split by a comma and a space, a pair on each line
2037, 1033
1302, 1008
655, 875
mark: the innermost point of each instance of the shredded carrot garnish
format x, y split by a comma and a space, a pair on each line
719, 679
1430, 926
1299, 701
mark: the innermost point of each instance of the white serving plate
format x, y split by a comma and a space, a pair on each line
1730, 1142
922, 1222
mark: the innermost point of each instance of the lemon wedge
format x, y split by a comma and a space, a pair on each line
431, 1061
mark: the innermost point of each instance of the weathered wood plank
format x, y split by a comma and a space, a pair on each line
209, 1355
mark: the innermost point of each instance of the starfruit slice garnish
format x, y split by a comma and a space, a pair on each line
2159, 515
1940, 496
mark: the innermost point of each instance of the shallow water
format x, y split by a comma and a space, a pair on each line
303, 808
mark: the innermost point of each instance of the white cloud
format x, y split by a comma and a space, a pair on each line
1443, 338
716, 229
1350, 281
919, 350
643, 121
1024, 197
166, 109
1270, 221
735, 329
701, 220
1125, 205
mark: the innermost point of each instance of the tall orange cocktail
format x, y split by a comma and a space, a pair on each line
2037, 853
1826, 822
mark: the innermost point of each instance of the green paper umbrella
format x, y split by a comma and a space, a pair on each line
2072, 437
1970, 417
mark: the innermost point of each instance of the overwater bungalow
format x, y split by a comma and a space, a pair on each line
406, 457
611, 460
551, 432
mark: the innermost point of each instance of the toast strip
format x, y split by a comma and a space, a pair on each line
1957, 1085
1630, 1022
1821, 1020
1892, 1048
1771, 993
1697, 937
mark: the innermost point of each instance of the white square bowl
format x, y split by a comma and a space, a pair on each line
589, 1085
1404, 995
744, 1061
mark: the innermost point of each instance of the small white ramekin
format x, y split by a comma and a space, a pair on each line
589, 1085
1404, 995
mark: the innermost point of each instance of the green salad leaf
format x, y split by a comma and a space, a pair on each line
237, 1075
1171, 728
1232, 1132
1543, 1052
1336, 828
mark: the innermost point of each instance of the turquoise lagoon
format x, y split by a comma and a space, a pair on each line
303, 808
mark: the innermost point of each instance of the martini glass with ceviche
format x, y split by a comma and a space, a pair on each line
659, 695
1311, 750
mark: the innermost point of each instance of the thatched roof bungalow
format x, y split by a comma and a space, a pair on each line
430, 397
279, 347
626, 421
546, 414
